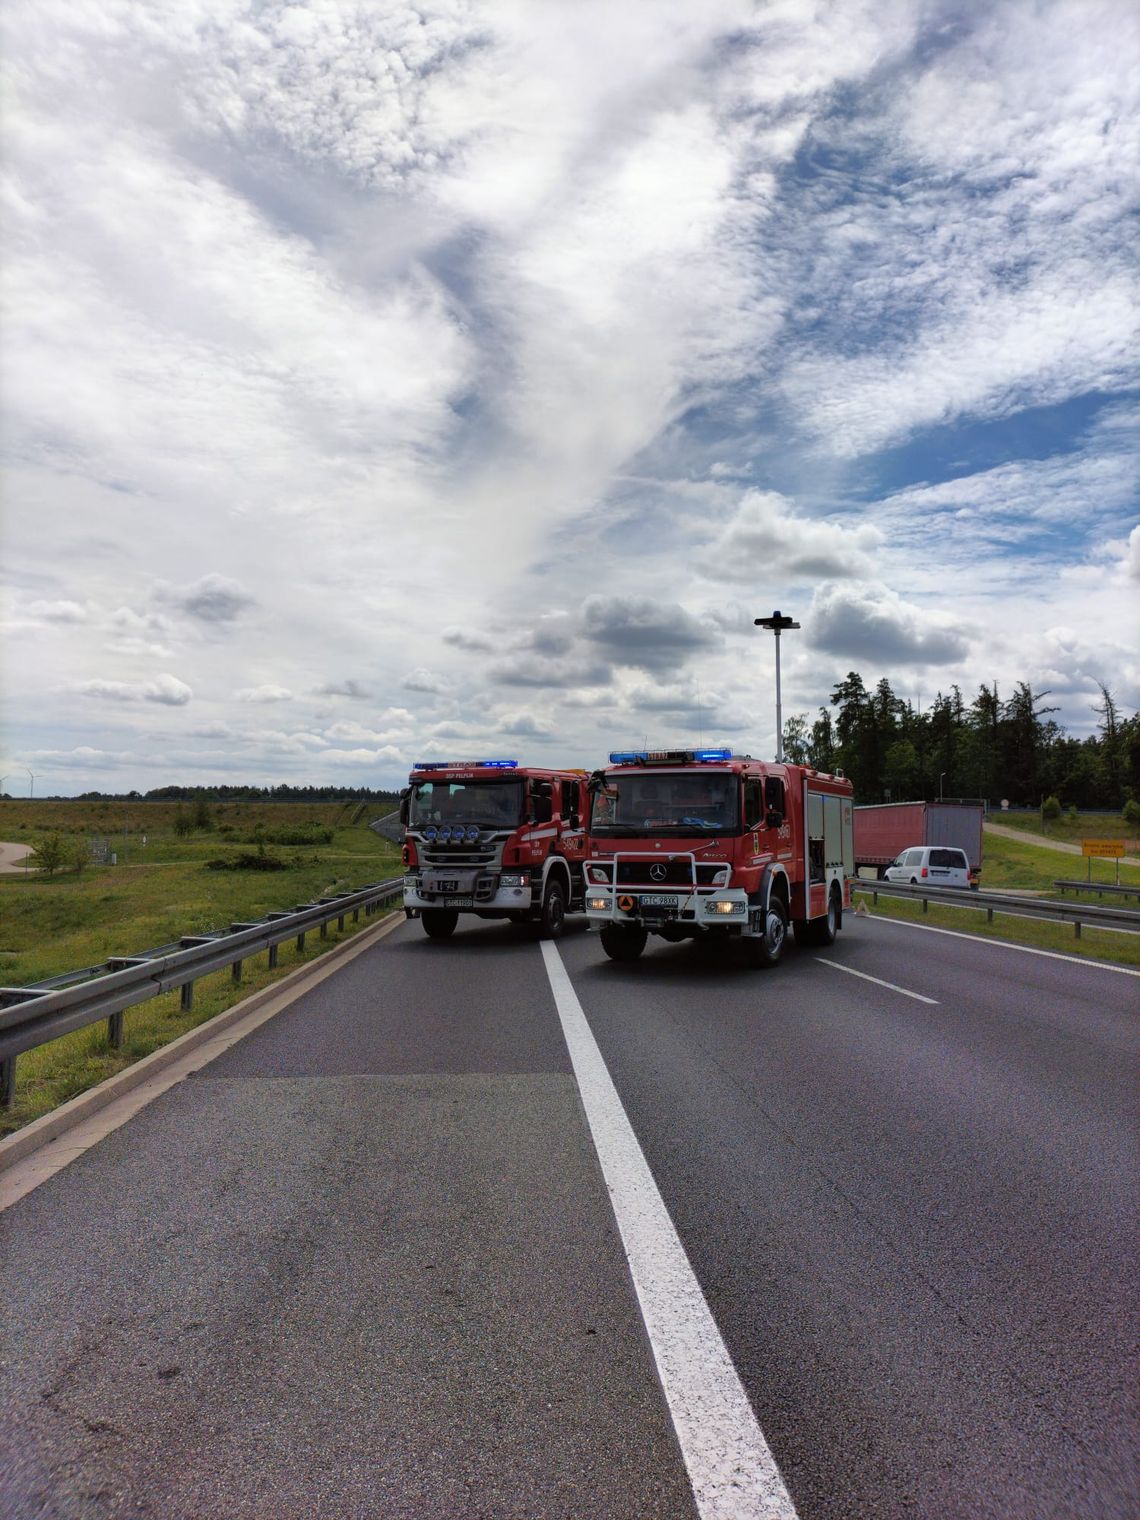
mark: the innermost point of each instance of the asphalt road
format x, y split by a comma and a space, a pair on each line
366, 1263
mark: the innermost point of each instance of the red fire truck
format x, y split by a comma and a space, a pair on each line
689, 843
495, 839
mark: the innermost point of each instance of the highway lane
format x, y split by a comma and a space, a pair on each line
363, 1265
915, 1222
376, 1272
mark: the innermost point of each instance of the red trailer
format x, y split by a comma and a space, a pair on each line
884, 830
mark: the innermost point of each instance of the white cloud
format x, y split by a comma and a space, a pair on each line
426, 681
766, 537
59, 612
266, 693
167, 690
873, 623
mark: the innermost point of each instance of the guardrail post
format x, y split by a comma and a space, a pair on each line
1077, 927
272, 956
324, 928
356, 915
115, 1031
236, 972
300, 943
989, 915
187, 1000
340, 924
8, 1082
926, 904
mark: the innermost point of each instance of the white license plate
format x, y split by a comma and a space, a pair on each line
658, 900
458, 902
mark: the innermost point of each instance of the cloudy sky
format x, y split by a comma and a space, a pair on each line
384, 382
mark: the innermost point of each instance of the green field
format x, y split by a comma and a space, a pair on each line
1072, 830
158, 891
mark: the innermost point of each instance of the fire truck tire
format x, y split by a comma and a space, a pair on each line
439, 923
553, 919
622, 944
766, 949
827, 928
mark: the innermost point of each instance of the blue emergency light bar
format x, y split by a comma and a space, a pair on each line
668, 756
465, 765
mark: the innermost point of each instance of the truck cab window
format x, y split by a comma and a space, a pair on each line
753, 805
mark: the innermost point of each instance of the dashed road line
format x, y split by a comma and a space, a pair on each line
731, 1468
894, 987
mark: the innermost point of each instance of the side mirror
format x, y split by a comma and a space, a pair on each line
405, 804
774, 819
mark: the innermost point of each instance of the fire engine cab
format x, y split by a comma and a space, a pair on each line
495, 839
695, 843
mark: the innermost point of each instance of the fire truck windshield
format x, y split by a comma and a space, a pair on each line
679, 803
491, 804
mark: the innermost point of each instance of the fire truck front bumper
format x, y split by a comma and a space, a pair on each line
480, 890
725, 908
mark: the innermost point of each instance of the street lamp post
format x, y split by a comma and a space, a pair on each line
32, 779
940, 780
777, 623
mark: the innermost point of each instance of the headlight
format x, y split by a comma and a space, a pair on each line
599, 875
726, 908
721, 878
599, 904
411, 883
508, 880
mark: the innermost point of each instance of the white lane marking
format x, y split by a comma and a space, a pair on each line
1004, 944
838, 966
732, 1471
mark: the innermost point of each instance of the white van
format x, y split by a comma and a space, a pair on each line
932, 865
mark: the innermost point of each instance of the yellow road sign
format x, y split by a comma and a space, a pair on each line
1111, 848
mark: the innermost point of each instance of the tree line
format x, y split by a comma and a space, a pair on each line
992, 748
239, 793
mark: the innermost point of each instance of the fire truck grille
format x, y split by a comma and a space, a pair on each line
678, 873
441, 855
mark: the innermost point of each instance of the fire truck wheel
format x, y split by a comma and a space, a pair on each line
827, 928
439, 923
766, 949
622, 944
553, 919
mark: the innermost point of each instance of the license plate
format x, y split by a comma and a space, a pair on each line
458, 902
658, 900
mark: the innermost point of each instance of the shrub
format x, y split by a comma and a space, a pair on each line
51, 852
1051, 809
1132, 811
249, 860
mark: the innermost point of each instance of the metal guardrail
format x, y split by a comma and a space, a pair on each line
1099, 887
30, 1016
1016, 907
